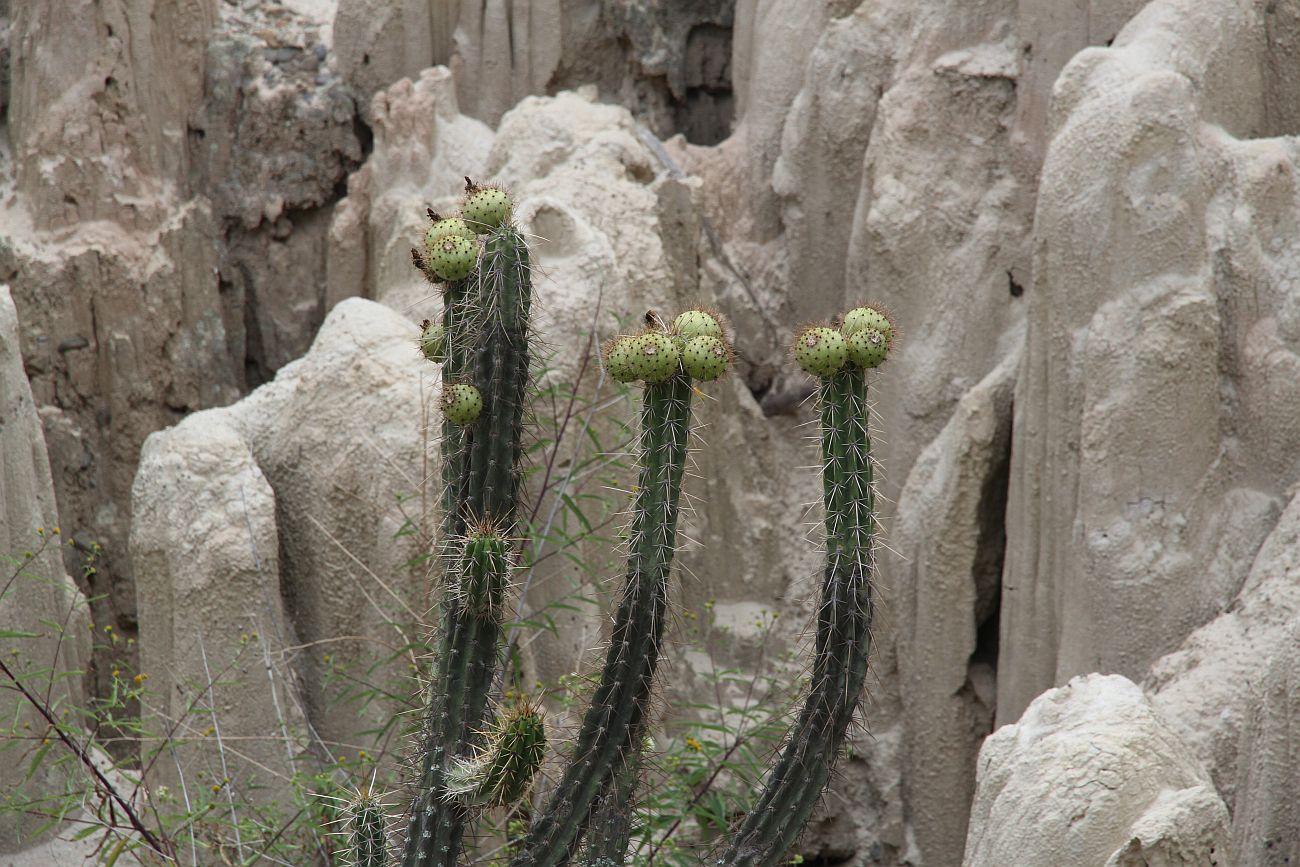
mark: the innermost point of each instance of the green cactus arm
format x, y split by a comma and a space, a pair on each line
843, 637
610, 832
605, 740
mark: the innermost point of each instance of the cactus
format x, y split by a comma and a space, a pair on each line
843, 635
502, 769
486, 328
483, 345
367, 843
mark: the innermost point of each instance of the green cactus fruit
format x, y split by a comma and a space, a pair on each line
820, 351
461, 403
621, 360
433, 341
656, 356
868, 348
861, 318
705, 358
501, 771
449, 227
486, 208
452, 258
697, 323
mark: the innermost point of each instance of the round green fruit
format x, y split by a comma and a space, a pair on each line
486, 208
820, 351
452, 258
705, 358
860, 318
433, 342
868, 348
656, 356
461, 403
697, 323
450, 227
621, 359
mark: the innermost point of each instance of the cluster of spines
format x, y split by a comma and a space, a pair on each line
482, 343
843, 636
863, 340
695, 344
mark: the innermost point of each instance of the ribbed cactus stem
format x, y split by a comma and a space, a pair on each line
843, 636
486, 319
502, 769
610, 832
609, 734
367, 846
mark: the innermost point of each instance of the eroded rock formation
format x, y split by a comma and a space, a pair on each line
1088, 435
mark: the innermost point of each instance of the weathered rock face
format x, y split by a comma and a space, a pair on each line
1091, 775
269, 545
1151, 447
36, 588
670, 62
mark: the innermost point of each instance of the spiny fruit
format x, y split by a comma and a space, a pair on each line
433, 341
656, 356
868, 348
452, 258
820, 351
705, 357
697, 323
860, 318
501, 770
621, 359
453, 227
485, 208
461, 403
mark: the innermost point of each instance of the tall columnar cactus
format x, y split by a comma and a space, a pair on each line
609, 737
485, 375
482, 343
843, 636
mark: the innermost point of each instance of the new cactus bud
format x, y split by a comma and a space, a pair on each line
820, 351
621, 359
461, 403
861, 318
452, 258
433, 341
484, 572
656, 356
705, 358
485, 208
501, 771
868, 348
697, 323
367, 844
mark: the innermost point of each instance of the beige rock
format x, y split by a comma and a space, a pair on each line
947, 608
287, 553
1266, 827
35, 590
1148, 456
1091, 775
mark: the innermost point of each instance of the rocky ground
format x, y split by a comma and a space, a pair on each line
1083, 216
